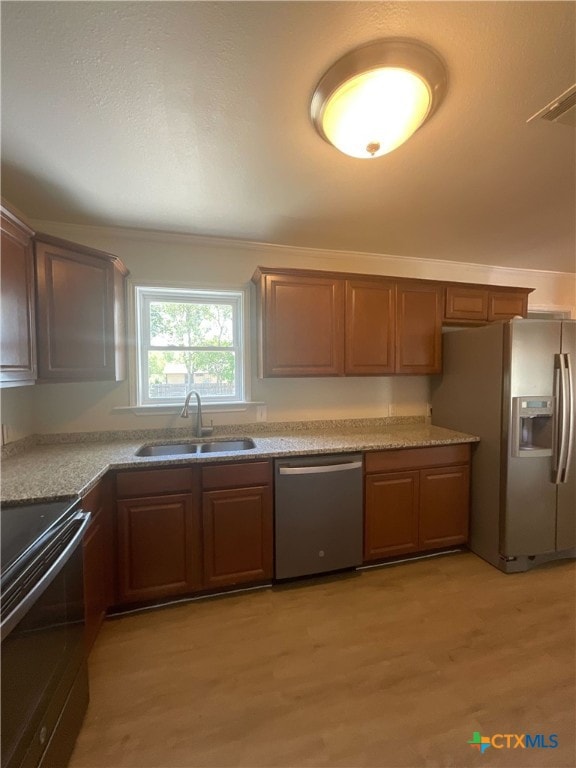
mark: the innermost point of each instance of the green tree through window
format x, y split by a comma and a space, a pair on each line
189, 340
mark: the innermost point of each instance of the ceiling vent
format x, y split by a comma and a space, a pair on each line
561, 110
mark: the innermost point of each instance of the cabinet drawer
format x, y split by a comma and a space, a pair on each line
417, 458
151, 481
236, 475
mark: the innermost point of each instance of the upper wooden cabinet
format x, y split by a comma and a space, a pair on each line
313, 323
301, 325
470, 304
503, 305
370, 330
335, 324
464, 303
62, 313
80, 304
419, 327
17, 324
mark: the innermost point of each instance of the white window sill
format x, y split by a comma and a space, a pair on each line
165, 408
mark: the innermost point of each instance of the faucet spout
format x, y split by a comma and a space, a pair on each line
184, 414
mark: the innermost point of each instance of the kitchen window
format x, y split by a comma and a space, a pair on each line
189, 339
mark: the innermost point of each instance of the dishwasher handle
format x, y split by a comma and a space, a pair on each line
320, 469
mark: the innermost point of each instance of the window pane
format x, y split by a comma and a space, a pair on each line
190, 324
172, 374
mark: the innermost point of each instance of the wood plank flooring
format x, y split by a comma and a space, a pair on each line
390, 668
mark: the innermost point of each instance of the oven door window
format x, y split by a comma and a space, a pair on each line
39, 657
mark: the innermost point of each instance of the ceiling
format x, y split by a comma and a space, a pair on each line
194, 117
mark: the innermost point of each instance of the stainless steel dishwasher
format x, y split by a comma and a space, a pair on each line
318, 524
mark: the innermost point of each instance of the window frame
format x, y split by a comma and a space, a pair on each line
144, 295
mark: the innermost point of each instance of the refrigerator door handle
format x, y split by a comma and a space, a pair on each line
560, 426
570, 426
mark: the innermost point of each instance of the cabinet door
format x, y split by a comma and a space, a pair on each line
77, 296
418, 328
505, 305
302, 326
99, 560
158, 547
95, 576
391, 514
444, 506
370, 327
237, 535
17, 331
466, 303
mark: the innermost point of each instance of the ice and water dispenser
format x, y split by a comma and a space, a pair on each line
532, 426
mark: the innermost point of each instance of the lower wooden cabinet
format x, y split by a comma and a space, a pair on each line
99, 564
391, 522
237, 523
196, 528
237, 536
159, 552
190, 529
444, 506
158, 547
415, 500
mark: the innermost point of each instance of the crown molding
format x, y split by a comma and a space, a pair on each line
283, 251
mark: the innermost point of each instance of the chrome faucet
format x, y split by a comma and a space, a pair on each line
200, 430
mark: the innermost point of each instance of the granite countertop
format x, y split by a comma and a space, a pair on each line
46, 472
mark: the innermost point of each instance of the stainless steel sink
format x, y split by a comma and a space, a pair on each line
183, 449
226, 445
174, 449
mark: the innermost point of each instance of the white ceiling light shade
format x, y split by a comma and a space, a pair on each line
375, 97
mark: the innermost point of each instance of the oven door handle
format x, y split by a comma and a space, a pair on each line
20, 610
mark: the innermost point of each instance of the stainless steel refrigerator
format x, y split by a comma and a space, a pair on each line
512, 384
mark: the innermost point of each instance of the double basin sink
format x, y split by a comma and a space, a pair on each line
192, 447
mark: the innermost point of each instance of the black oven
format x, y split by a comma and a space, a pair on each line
43, 665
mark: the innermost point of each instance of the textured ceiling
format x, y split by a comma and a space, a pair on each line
193, 117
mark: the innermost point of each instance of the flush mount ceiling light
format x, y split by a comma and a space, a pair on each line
374, 98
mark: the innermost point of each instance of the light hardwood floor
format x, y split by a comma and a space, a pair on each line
390, 668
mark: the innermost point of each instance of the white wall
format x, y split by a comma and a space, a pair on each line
18, 408
166, 259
